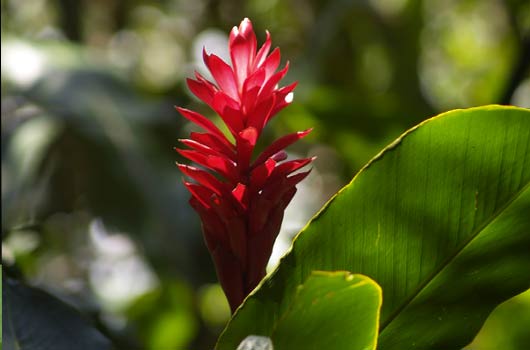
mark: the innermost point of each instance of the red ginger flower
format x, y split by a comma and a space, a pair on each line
242, 207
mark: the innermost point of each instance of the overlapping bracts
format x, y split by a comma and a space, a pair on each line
241, 202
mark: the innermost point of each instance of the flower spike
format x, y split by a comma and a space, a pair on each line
241, 202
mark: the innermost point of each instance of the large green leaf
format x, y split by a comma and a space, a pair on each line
440, 219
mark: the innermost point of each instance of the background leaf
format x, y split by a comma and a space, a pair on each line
507, 327
439, 219
34, 320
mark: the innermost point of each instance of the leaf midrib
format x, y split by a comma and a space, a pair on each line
466, 243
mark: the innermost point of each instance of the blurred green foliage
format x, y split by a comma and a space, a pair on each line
505, 329
92, 205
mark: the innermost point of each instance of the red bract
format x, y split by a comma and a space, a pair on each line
240, 202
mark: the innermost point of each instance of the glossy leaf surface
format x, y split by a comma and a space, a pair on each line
330, 310
440, 219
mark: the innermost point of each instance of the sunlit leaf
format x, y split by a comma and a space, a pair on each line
330, 310
439, 219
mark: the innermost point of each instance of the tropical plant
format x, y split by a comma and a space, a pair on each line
415, 252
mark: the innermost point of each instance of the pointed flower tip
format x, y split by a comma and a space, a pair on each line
180, 151
233, 34
245, 26
279, 156
205, 56
304, 133
182, 166
289, 97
